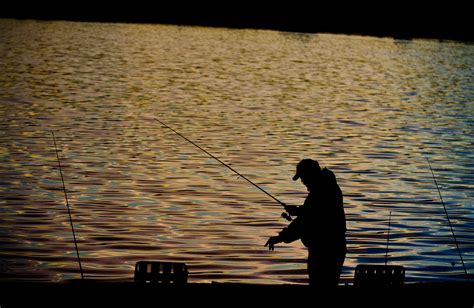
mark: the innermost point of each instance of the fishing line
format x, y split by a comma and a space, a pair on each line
388, 237
449, 221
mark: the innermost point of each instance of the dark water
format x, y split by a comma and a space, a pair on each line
370, 109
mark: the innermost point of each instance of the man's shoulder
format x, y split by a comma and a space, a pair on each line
329, 178
327, 173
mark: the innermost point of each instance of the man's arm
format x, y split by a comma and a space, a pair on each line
292, 232
287, 235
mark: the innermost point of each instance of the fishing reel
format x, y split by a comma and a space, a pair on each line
286, 216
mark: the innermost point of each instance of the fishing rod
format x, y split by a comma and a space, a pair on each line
388, 237
449, 221
68, 208
284, 215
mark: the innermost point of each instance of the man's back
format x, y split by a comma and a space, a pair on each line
322, 214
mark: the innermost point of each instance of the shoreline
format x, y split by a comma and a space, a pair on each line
86, 292
406, 30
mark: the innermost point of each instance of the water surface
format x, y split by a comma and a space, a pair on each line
370, 109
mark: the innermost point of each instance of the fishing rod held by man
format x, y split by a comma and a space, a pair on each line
286, 216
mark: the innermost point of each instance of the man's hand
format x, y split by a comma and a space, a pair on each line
272, 241
292, 210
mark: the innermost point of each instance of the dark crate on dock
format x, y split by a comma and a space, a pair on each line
379, 275
157, 272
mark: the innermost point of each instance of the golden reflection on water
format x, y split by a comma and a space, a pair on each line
370, 109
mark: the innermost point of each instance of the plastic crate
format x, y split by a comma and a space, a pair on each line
157, 272
379, 275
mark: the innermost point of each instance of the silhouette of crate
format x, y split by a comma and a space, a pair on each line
156, 272
367, 275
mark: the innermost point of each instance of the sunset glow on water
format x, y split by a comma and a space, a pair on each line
370, 109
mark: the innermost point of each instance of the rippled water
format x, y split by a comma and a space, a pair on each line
370, 109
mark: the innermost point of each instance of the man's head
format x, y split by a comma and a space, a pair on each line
308, 171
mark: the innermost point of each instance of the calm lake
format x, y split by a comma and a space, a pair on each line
372, 110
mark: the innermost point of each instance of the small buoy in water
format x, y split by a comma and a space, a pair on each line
453, 263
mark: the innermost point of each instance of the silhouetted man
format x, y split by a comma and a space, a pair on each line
320, 224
